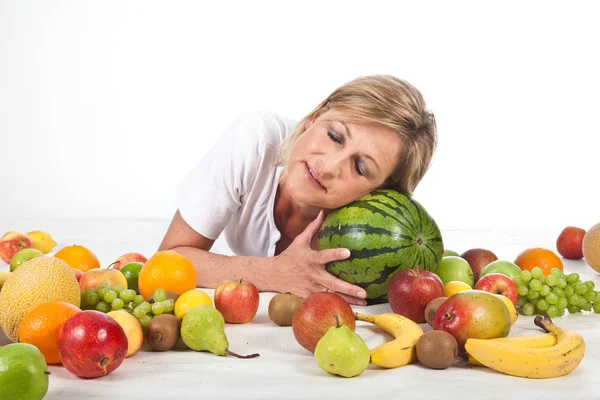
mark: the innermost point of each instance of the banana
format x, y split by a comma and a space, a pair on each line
530, 341
3, 277
548, 362
400, 351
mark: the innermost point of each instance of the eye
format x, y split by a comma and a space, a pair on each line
359, 170
333, 137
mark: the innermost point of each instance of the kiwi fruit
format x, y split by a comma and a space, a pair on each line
162, 332
282, 308
431, 309
437, 349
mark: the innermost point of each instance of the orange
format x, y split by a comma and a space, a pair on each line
79, 257
167, 270
41, 325
538, 257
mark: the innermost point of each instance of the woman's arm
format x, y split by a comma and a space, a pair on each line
299, 269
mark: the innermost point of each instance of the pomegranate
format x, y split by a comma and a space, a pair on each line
91, 344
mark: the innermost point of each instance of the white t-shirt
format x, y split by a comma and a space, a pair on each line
233, 187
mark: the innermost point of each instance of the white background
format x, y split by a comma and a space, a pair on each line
105, 105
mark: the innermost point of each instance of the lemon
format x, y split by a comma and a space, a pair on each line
42, 241
454, 287
190, 299
511, 308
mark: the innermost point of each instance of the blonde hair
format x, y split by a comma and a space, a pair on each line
389, 101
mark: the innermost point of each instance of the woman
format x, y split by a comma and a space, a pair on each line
269, 182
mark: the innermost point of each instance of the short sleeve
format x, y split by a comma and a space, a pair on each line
212, 191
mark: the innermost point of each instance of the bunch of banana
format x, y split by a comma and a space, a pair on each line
550, 355
400, 351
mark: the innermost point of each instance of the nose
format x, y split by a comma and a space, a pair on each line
332, 165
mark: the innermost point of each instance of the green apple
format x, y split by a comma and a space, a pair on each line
23, 255
503, 267
454, 268
448, 252
23, 372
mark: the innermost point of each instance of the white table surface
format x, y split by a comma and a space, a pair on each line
284, 369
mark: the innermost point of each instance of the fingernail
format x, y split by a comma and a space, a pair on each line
344, 253
362, 295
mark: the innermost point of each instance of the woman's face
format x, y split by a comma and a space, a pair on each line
333, 162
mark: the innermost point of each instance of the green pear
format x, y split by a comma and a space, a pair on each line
203, 329
342, 352
23, 372
23, 255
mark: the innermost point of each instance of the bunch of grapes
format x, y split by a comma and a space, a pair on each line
555, 293
108, 298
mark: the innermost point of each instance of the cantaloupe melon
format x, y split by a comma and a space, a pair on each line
591, 247
36, 281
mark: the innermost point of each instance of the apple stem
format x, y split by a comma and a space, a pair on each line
231, 353
103, 361
47, 372
113, 263
337, 321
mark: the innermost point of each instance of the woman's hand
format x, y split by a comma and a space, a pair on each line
301, 270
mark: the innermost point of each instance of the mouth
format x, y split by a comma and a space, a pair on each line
312, 177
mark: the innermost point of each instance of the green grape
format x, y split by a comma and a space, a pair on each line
552, 311
158, 308
545, 290
518, 281
103, 284
573, 277
534, 284
118, 289
552, 298
558, 291
597, 297
521, 300
542, 304
137, 300
103, 306
590, 296
562, 303
117, 304
561, 283
582, 301
169, 305
526, 276
522, 290
556, 272
102, 290
92, 299
534, 301
561, 312
586, 306
532, 295
580, 288
127, 295
146, 307
128, 309
536, 273
569, 291
591, 285
596, 307
551, 280
145, 320
159, 295
110, 296
574, 300
528, 309
542, 279
138, 312
573, 309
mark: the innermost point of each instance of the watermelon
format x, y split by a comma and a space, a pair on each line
386, 231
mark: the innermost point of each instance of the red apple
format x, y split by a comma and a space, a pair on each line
94, 277
126, 259
498, 283
91, 344
237, 301
478, 259
411, 290
473, 314
11, 243
78, 274
315, 316
570, 243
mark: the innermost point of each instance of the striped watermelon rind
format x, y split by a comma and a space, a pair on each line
386, 231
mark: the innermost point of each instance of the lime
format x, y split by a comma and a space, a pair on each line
132, 272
